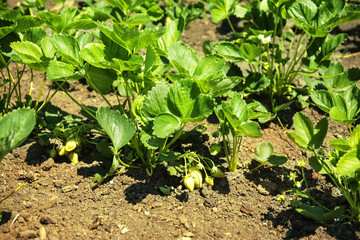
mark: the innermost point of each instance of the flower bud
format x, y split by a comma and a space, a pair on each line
189, 183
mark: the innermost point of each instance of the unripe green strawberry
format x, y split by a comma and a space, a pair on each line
209, 180
189, 183
52, 153
71, 145
197, 176
73, 157
216, 172
62, 151
215, 149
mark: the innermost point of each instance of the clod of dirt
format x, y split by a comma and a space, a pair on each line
69, 188
48, 164
27, 234
267, 187
97, 222
49, 204
42, 233
45, 220
247, 209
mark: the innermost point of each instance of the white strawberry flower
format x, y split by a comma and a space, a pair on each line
264, 40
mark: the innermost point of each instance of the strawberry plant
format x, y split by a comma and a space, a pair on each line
234, 125
264, 154
341, 165
275, 56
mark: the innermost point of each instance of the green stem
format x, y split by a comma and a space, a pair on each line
18, 188
297, 61
40, 92
273, 40
177, 135
226, 147
73, 99
231, 26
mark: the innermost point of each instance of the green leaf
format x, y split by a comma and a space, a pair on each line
47, 47
94, 54
148, 138
166, 124
249, 51
186, 102
349, 163
155, 102
209, 67
263, 151
304, 132
354, 139
317, 165
340, 144
28, 51
323, 99
277, 159
348, 14
132, 64
319, 133
184, 58
302, 143
303, 12
130, 38
229, 50
352, 101
219, 86
336, 78
68, 48
303, 126
152, 10
250, 129
58, 70
224, 8
172, 34
100, 79
256, 82
10, 14
54, 21
26, 22
34, 35
126, 6
116, 126
339, 114
5, 31
137, 19
318, 213
15, 127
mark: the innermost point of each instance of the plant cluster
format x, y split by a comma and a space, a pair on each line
133, 48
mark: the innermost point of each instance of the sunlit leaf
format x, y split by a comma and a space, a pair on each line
15, 127
119, 128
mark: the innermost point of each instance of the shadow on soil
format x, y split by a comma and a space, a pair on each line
6, 216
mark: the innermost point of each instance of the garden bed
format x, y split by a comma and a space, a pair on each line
59, 203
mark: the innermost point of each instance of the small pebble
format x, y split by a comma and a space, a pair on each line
124, 230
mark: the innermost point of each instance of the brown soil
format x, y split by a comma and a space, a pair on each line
61, 205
